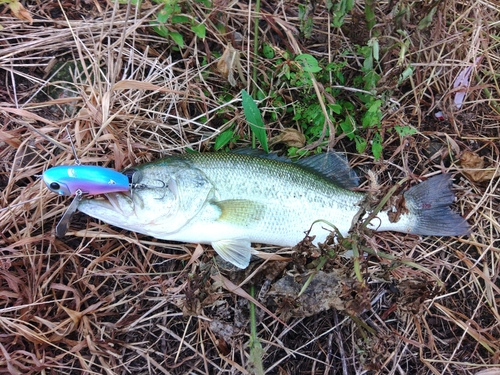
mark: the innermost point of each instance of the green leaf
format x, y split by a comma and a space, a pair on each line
375, 106
373, 43
360, 144
406, 73
348, 126
180, 19
306, 21
177, 38
340, 77
368, 64
371, 119
370, 14
200, 30
286, 71
377, 146
261, 95
267, 51
254, 119
308, 63
404, 131
348, 106
165, 13
160, 30
365, 51
223, 139
340, 10
427, 20
373, 116
371, 78
336, 108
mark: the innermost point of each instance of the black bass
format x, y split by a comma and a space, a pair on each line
230, 200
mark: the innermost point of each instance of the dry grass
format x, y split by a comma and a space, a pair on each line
107, 301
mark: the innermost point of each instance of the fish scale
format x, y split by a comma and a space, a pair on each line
280, 186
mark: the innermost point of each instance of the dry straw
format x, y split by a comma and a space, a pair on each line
107, 301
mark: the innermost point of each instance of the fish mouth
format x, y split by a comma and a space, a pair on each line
107, 207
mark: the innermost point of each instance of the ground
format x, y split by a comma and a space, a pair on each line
380, 82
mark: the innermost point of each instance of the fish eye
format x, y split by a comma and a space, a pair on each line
55, 186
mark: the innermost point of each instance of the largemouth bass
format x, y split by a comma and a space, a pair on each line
231, 200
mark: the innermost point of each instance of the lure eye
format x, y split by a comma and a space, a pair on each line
55, 186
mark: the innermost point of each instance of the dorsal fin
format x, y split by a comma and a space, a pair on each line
334, 166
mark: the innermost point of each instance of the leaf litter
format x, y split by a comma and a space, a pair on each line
104, 300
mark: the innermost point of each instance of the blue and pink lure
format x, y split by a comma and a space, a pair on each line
80, 180
86, 179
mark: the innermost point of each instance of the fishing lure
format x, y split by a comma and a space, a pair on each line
80, 180
91, 180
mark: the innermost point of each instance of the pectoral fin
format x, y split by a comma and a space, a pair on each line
240, 211
235, 251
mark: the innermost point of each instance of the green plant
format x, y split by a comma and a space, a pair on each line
370, 14
351, 107
171, 14
340, 10
361, 122
371, 117
306, 19
224, 138
254, 119
256, 352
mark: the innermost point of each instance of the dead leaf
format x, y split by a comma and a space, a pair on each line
19, 11
462, 82
229, 63
12, 141
473, 167
130, 84
290, 137
196, 255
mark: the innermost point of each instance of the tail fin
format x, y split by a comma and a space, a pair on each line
430, 201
